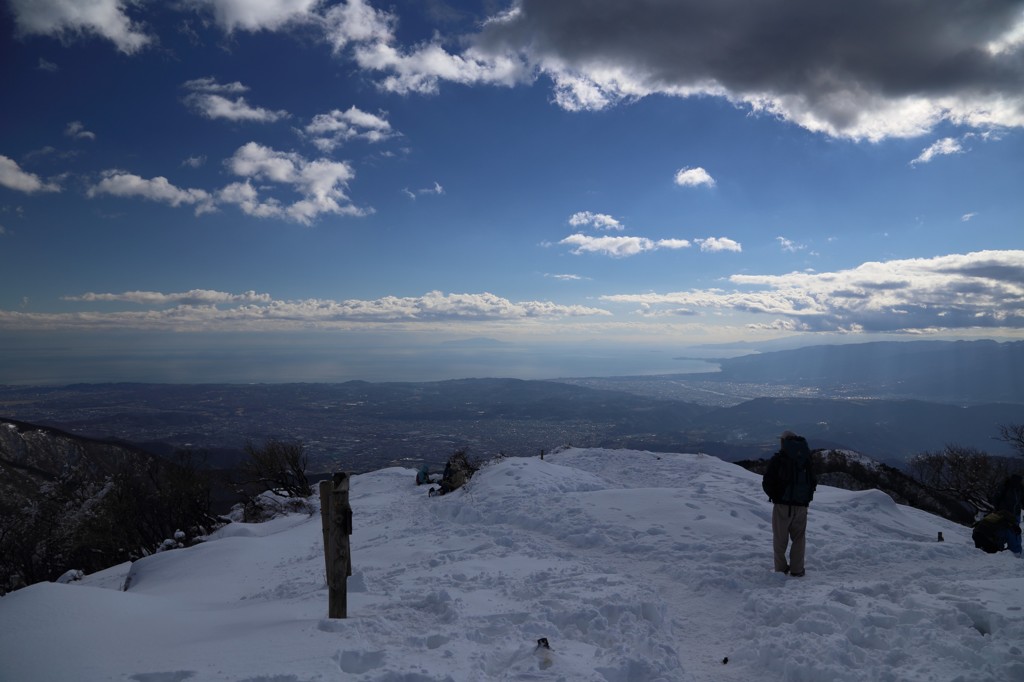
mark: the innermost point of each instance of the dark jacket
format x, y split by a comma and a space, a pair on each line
790, 478
1009, 498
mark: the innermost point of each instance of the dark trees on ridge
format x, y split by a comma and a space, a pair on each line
277, 467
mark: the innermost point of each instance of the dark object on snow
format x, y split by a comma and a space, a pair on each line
992, 533
941, 539
457, 472
725, 660
423, 475
542, 643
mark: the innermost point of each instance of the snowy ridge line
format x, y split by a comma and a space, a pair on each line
634, 566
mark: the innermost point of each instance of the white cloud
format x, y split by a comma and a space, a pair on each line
159, 189
207, 97
620, 247
694, 177
966, 217
194, 161
436, 305
565, 277
201, 309
1010, 41
320, 183
790, 245
984, 289
672, 244
192, 297
45, 65
356, 22
210, 84
946, 145
258, 15
780, 326
336, 127
76, 130
422, 69
13, 177
43, 151
68, 18
601, 221
652, 313
245, 196
575, 92
370, 34
437, 189
714, 244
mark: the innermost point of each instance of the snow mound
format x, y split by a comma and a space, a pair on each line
635, 566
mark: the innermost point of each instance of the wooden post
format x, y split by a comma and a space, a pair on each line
336, 518
326, 487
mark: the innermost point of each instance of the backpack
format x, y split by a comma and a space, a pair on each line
457, 472
774, 481
790, 476
986, 533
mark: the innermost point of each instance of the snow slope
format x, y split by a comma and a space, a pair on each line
635, 566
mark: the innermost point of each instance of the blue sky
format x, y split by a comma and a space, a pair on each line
381, 181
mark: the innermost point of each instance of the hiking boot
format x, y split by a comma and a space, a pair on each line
797, 574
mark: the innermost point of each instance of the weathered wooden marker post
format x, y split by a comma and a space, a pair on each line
336, 516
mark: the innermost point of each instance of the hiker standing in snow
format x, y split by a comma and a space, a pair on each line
1008, 501
789, 483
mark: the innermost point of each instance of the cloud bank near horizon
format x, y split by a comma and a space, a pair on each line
984, 289
979, 290
207, 310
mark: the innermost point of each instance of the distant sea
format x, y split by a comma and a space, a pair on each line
180, 359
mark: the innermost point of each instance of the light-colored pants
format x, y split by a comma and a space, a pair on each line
789, 523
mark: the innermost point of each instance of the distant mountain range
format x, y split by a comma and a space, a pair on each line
890, 431
943, 371
889, 401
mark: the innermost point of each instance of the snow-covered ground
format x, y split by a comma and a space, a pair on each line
635, 566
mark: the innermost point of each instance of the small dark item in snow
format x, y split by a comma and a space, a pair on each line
725, 660
940, 536
542, 643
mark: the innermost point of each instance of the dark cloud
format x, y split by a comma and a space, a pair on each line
989, 270
831, 56
781, 45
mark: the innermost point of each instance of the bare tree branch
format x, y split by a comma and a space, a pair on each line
1014, 435
278, 467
